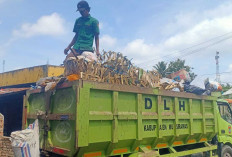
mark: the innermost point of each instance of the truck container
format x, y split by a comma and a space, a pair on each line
13, 86
90, 119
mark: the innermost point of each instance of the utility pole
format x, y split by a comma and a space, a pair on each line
217, 68
3, 66
48, 61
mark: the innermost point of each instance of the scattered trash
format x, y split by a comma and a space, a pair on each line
49, 83
180, 75
169, 84
114, 68
193, 89
26, 142
212, 85
50, 86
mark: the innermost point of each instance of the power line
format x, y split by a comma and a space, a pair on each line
195, 51
222, 73
192, 47
200, 49
226, 82
200, 77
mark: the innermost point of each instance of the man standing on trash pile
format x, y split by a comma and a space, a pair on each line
86, 29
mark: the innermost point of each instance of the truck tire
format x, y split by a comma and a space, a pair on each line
226, 151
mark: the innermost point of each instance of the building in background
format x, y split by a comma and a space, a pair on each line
13, 86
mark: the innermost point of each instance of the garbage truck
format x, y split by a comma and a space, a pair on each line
92, 119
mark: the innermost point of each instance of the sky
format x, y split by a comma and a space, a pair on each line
36, 32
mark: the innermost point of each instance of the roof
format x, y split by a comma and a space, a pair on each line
228, 92
11, 90
29, 75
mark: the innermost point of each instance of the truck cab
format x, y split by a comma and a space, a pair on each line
224, 128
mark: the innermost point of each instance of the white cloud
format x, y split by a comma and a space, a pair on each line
230, 67
139, 46
140, 51
52, 25
150, 54
137, 49
46, 25
107, 42
201, 32
185, 20
188, 29
181, 22
220, 11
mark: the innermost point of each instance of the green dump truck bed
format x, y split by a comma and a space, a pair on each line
91, 119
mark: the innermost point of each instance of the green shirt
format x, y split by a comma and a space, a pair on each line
86, 28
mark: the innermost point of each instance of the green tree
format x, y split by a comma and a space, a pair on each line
161, 67
226, 87
179, 64
173, 66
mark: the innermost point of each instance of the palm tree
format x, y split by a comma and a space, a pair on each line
161, 67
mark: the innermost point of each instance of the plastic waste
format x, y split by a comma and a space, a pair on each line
26, 142
50, 86
89, 55
43, 81
169, 84
193, 89
212, 85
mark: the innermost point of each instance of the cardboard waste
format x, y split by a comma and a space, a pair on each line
180, 75
114, 68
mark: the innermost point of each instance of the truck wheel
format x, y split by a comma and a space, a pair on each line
226, 151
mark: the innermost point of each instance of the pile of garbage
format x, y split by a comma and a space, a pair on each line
114, 68
210, 86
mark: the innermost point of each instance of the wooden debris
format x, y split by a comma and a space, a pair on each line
115, 68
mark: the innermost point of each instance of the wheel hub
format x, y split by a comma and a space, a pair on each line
227, 155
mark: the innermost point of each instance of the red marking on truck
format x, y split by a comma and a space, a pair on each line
203, 140
161, 145
148, 147
93, 154
118, 151
177, 143
58, 150
191, 141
